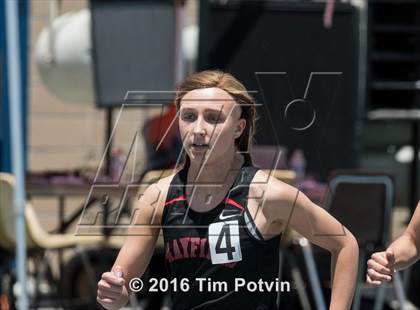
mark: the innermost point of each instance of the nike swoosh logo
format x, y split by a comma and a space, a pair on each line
223, 217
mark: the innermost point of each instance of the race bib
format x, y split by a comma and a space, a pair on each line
224, 242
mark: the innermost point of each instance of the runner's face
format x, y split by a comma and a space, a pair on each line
209, 123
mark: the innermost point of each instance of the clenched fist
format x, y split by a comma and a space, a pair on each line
381, 267
112, 293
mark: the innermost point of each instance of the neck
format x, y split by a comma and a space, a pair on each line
216, 172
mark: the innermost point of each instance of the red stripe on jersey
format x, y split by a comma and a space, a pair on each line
227, 200
180, 198
234, 203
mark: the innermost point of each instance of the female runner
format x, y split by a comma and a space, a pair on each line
402, 253
221, 217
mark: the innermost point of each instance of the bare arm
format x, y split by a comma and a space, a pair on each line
289, 205
138, 248
407, 247
403, 252
142, 235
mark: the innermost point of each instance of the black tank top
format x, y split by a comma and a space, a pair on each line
222, 245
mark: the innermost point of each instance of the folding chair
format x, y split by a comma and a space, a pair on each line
362, 202
38, 240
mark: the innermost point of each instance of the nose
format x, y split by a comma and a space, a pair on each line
199, 127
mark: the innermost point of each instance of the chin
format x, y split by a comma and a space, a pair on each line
199, 157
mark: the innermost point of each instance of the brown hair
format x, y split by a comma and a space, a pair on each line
228, 83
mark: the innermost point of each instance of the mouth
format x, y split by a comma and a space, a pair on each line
199, 146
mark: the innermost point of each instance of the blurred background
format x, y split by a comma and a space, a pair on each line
86, 123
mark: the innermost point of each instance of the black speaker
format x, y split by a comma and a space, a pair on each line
305, 75
133, 47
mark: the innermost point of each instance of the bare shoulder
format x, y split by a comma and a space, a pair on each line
164, 183
151, 199
273, 189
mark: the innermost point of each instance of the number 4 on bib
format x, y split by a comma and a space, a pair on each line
224, 242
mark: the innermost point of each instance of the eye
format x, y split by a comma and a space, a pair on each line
188, 116
214, 118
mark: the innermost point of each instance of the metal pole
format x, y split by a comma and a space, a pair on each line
108, 140
363, 13
54, 11
399, 291
15, 104
414, 166
179, 26
312, 273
